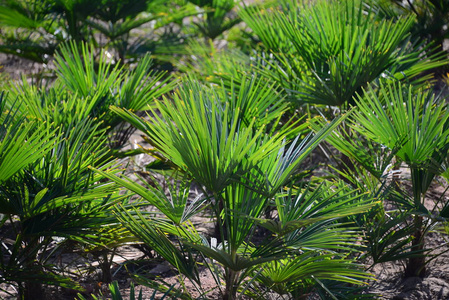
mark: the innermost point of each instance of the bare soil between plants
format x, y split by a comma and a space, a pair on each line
389, 282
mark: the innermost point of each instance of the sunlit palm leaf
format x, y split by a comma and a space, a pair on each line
177, 255
105, 84
202, 135
372, 156
300, 208
338, 48
413, 121
55, 191
176, 206
287, 274
275, 171
265, 22
21, 142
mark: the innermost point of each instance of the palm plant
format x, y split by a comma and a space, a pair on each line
233, 134
430, 17
35, 29
21, 142
217, 18
89, 89
115, 20
327, 52
52, 194
374, 171
303, 213
110, 85
414, 122
241, 168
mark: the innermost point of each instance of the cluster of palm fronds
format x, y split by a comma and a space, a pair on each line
35, 29
333, 79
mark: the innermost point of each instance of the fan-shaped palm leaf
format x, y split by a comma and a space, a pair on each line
202, 135
412, 121
416, 123
21, 142
338, 48
291, 275
56, 195
151, 233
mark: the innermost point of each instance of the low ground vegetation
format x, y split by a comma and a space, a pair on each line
308, 135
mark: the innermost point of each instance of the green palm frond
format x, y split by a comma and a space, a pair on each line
105, 84
149, 232
373, 157
21, 142
77, 71
413, 121
396, 113
203, 136
250, 97
176, 206
53, 105
286, 275
266, 23
316, 218
255, 99
337, 48
276, 170
240, 262
300, 208
240, 208
55, 191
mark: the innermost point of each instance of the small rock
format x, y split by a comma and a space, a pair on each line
161, 269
